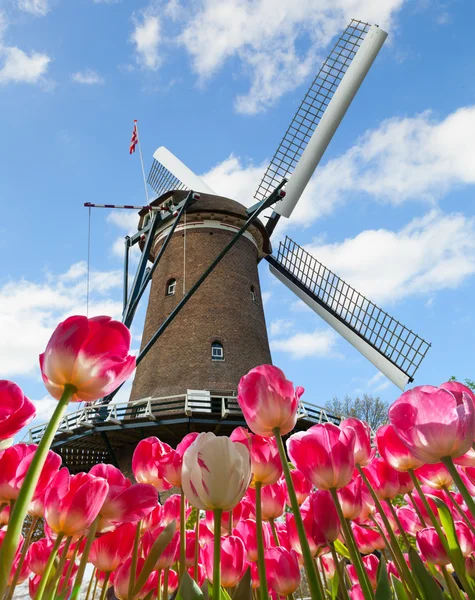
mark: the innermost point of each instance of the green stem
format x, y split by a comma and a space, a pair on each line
182, 534
261, 567
399, 524
165, 584
341, 575
95, 588
458, 508
416, 508
447, 461
217, 554
53, 584
85, 555
324, 577
197, 544
89, 587
49, 566
70, 566
307, 555
22, 503
451, 585
352, 549
105, 586
159, 586
135, 554
404, 569
274, 532
24, 548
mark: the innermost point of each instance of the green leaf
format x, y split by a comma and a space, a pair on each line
223, 595
243, 589
383, 589
427, 584
205, 589
341, 548
158, 547
399, 590
189, 589
335, 581
448, 525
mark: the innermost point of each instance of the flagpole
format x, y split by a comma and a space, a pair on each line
141, 160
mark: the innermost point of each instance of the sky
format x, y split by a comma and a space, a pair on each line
390, 209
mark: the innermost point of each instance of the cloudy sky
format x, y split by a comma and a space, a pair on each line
390, 209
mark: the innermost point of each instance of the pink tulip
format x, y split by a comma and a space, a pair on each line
154, 518
383, 478
368, 540
310, 532
73, 502
434, 475
173, 461
431, 548
268, 401
171, 552
90, 354
148, 463
356, 593
329, 566
434, 423
233, 561
371, 564
246, 530
272, 500
266, 465
418, 502
225, 518
16, 410
351, 499
112, 549
125, 503
38, 554
14, 463
465, 538
409, 519
283, 571
255, 583
201, 574
363, 451
322, 515
302, 487
190, 548
467, 459
324, 454
394, 452
171, 509
172, 584
121, 577
470, 565
405, 483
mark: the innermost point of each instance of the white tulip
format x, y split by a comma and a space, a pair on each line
216, 472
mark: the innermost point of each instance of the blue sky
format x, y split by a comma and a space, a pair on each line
390, 209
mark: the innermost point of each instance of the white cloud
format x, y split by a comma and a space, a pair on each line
275, 41
429, 254
20, 67
88, 76
266, 296
321, 342
124, 219
38, 8
146, 37
280, 326
29, 312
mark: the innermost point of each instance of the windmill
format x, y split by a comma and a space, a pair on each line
198, 246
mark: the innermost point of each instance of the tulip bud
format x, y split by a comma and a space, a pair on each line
233, 561
111, 549
302, 487
435, 475
364, 454
272, 500
383, 478
148, 463
17, 411
371, 564
246, 530
368, 540
393, 451
431, 547
266, 465
351, 499
283, 571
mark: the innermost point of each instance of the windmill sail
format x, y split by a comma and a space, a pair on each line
325, 105
169, 173
393, 348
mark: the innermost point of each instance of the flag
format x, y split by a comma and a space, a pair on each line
135, 139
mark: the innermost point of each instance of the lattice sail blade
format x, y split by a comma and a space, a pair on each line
321, 112
393, 348
169, 173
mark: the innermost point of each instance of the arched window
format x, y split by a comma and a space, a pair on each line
171, 287
217, 351
253, 294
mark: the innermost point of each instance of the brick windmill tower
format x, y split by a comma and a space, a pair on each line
205, 326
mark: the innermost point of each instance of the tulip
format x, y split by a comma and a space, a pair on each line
294, 539
268, 401
124, 503
356, 593
467, 459
172, 581
351, 499
470, 565
233, 561
73, 502
322, 515
302, 487
329, 566
226, 521
324, 454
38, 554
266, 465
16, 411
169, 556
148, 463
272, 500
204, 463
113, 548
409, 519
364, 454
394, 452
200, 576
368, 540
172, 462
190, 548
434, 423
435, 476
383, 478
465, 538
121, 577
282, 535
371, 563
431, 547
283, 571
246, 530
406, 484
90, 354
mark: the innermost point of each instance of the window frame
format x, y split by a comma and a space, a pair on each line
217, 346
171, 283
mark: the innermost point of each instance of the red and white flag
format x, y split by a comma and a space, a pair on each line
135, 139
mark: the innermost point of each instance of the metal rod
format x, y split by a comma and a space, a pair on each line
110, 450
130, 206
141, 160
133, 306
126, 270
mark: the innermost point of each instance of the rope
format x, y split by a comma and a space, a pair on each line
88, 261
184, 252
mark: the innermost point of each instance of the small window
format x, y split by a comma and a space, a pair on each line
217, 352
253, 294
171, 287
